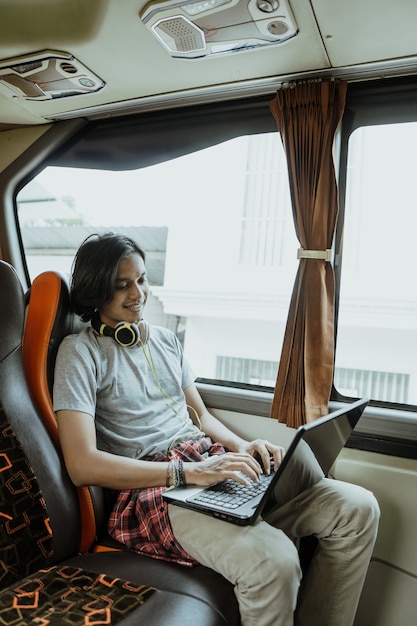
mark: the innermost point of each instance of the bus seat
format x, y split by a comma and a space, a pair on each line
48, 320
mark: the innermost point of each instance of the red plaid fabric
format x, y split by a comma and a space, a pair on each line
139, 518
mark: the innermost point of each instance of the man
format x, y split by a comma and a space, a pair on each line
131, 419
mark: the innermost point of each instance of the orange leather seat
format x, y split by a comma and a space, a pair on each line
48, 321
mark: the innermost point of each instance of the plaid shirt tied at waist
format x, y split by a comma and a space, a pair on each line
140, 519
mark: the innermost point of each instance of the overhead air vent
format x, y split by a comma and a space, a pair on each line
197, 28
47, 75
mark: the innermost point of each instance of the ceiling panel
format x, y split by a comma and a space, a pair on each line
363, 31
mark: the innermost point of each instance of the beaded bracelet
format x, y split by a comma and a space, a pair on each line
176, 470
182, 479
168, 476
176, 477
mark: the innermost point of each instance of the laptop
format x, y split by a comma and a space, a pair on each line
309, 457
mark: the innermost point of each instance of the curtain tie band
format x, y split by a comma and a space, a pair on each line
325, 255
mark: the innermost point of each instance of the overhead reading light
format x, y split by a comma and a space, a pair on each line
47, 75
197, 28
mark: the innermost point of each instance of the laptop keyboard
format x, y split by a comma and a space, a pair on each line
230, 494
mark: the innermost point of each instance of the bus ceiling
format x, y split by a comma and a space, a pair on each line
82, 59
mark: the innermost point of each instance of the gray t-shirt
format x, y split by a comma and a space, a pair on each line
135, 394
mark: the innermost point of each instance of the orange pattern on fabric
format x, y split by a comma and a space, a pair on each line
25, 532
6, 463
60, 596
27, 594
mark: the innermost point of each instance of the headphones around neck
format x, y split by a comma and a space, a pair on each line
124, 333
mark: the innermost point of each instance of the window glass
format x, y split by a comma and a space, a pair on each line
218, 232
376, 351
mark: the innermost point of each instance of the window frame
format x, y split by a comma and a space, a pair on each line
372, 103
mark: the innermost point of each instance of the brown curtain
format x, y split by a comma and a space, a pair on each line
307, 115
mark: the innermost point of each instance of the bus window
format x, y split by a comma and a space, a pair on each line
376, 353
218, 232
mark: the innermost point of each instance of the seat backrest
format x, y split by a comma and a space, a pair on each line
39, 512
48, 320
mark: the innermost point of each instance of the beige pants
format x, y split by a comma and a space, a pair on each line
263, 564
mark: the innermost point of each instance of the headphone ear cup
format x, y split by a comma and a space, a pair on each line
129, 335
126, 334
143, 331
